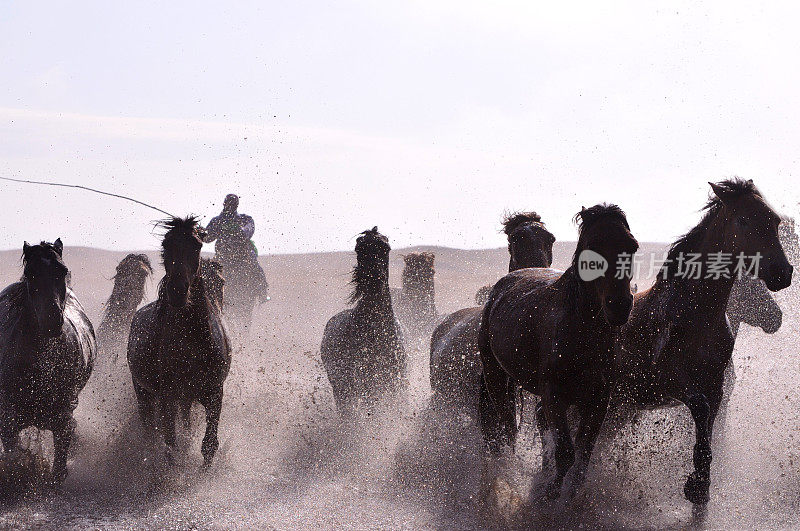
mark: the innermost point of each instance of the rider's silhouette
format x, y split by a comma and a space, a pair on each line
235, 251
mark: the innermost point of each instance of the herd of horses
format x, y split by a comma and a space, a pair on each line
593, 351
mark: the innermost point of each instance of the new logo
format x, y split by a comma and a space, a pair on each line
591, 265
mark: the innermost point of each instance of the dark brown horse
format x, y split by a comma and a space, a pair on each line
362, 348
415, 302
677, 342
126, 296
454, 363
47, 351
552, 333
178, 350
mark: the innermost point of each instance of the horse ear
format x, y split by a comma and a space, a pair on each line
722, 193
25, 247
58, 246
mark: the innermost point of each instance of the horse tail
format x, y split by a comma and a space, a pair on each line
498, 397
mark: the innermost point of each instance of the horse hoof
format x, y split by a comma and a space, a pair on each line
696, 490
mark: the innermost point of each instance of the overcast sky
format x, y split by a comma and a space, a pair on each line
428, 119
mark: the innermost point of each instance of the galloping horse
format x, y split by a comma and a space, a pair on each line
552, 333
47, 351
415, 302
677, 342
178, 350
455, 364
362, 348
127, 294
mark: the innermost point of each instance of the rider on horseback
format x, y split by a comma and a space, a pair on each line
235, 250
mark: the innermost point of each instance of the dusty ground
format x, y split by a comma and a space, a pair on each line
285, 462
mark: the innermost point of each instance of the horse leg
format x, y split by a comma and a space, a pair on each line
547, 447
145, 405
555, 411
62, 435
727, 391
699, 481
186, 414
497, 409
213, 405
592, 416
9, 435
497, 416
168, 412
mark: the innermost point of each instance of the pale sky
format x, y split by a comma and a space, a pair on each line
426, 118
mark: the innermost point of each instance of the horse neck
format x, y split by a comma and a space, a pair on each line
420, 292
197, 305
580, 295
703, 296
125, 297
514, 264
20, 299
376, 303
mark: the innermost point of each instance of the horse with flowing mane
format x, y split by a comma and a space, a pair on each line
47, 351
362, 347
552, 333
677, 343
455, 366
126, 296
178, 350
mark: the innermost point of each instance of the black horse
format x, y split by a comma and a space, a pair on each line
47, 351
178, 350
362, 348
552, 333
454, 361
676, 345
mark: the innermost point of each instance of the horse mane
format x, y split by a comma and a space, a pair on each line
175, 226
372, 264
733, 188
588, 217
515, 220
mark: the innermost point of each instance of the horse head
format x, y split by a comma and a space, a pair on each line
530, 244
45, 277
134, 266
750, 229
605, 236
371, 272
418, 271
180, 252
